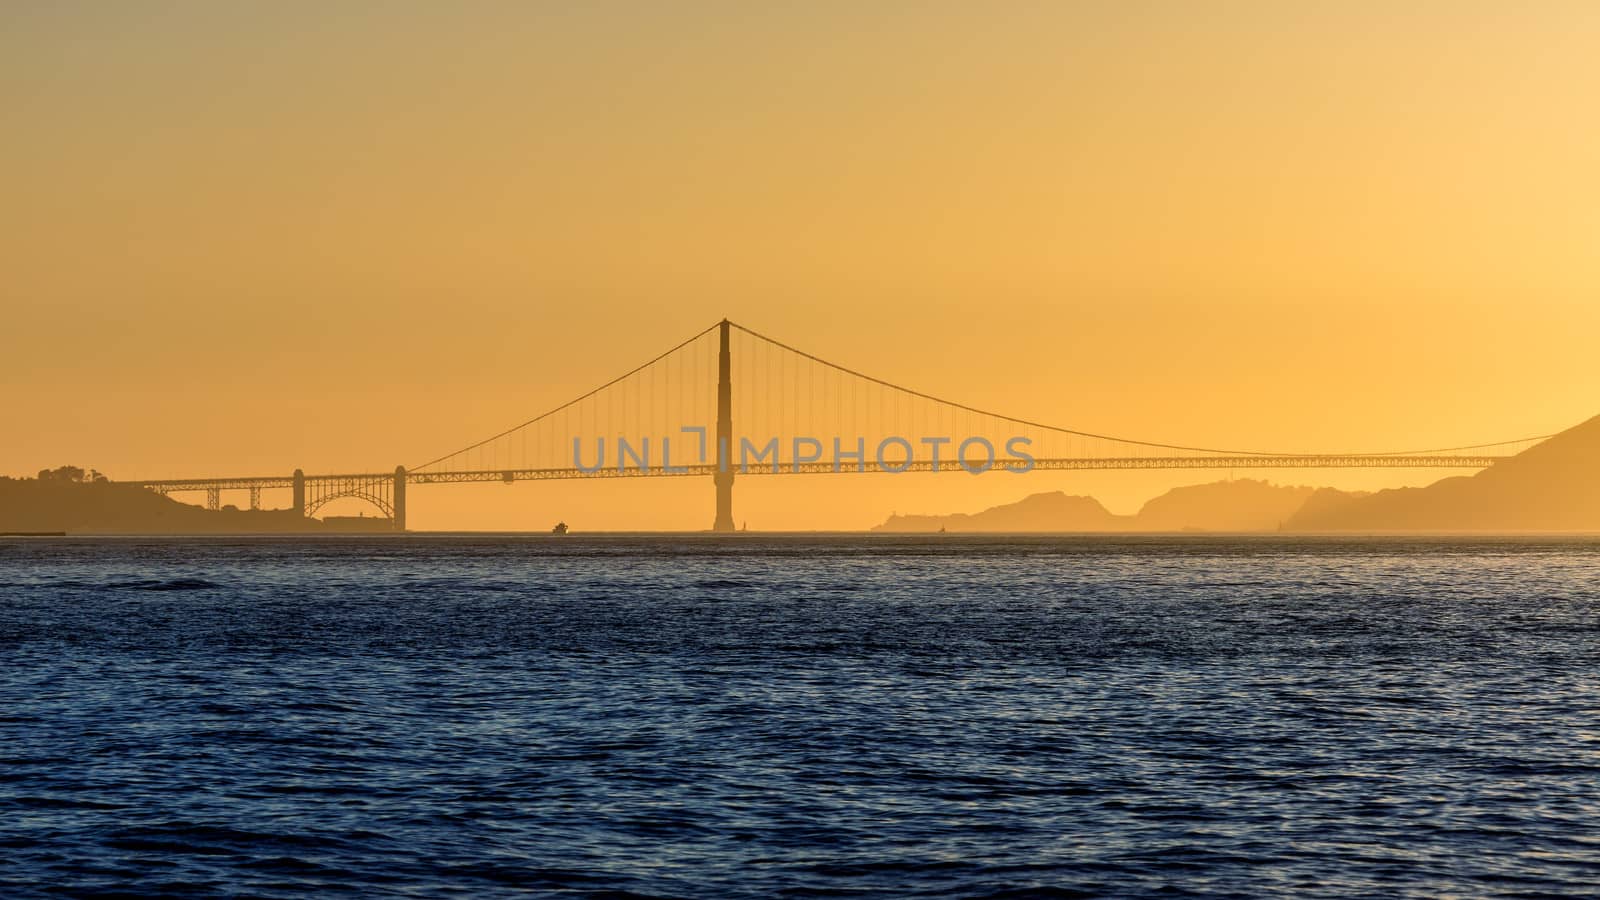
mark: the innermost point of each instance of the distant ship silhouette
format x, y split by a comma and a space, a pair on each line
561, 528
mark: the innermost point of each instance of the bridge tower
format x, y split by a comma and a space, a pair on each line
300, 493
724, 474
399, 498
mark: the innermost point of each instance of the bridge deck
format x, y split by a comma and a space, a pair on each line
1348, 461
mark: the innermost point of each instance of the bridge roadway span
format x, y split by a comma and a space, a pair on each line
1346, 461
387, 490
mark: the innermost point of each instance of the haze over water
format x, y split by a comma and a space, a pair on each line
802, 715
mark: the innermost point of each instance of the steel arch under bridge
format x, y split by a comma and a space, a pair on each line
383, 490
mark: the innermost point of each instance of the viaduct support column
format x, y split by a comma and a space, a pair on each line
299, 493
399, 498
724, 451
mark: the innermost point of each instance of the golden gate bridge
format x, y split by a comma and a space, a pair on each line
788, 400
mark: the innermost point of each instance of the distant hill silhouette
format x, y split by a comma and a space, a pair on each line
1054, 511
1242, 505
70, 500
1552, 486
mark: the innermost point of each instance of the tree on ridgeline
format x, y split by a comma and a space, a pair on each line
74, 474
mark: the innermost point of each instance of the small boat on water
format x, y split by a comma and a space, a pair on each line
561, 528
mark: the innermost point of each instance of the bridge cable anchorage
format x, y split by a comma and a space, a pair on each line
572, 402
1105, 437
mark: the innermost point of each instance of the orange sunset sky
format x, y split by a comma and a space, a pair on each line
237, 239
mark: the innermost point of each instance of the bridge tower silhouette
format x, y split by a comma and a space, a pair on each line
724, 474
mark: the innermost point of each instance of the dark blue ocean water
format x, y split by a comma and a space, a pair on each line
804, 716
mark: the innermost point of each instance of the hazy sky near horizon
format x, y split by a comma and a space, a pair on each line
243, 238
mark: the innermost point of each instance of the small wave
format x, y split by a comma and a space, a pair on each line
293, 865
317, 706
61, 803
194, 838
167, 584
45, 584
